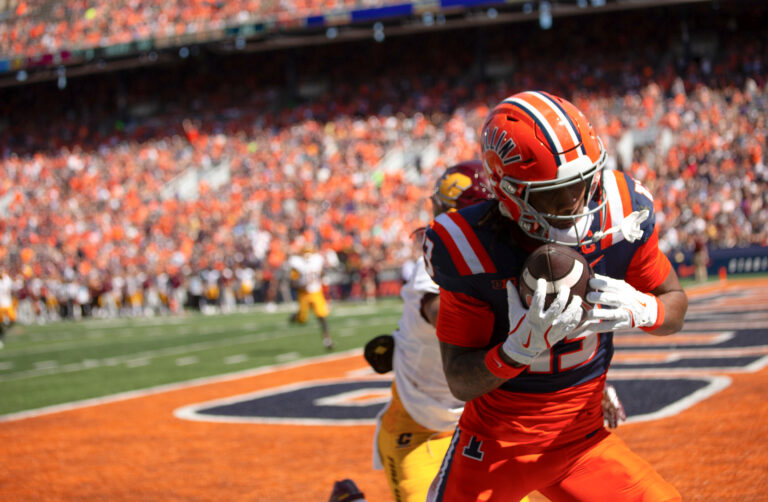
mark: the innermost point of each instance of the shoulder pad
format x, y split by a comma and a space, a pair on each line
627, 196
452, 250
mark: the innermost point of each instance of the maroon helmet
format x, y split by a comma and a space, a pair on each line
461, 185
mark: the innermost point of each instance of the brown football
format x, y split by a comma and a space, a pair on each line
558, 265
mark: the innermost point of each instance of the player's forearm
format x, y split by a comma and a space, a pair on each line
430, 306
675, 305
466, 373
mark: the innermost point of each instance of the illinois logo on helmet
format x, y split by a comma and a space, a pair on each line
536, 142
461, 185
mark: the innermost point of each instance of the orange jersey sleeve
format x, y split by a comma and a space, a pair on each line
463, 320
649, 266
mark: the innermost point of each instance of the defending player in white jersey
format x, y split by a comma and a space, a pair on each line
415, 429
306, 273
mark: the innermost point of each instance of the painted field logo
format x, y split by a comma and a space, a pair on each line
725, 333
330, 402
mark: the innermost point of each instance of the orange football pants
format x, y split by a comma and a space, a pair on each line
410, 453
601, 468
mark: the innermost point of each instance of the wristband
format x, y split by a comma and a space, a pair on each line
498, 367
659, 318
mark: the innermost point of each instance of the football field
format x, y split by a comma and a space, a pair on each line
249, 407
64, 362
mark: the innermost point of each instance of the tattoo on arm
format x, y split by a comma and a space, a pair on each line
466, 373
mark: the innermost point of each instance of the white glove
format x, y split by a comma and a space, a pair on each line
627, 307
534, 330
613, 410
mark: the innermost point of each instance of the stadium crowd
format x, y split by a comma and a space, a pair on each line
95, 221
34, 28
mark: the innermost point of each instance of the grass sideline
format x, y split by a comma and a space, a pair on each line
71, 361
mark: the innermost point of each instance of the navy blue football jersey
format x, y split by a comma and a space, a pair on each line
474, 253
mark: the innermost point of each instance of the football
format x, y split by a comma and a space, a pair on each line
558, 265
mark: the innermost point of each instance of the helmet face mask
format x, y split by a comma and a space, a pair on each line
534, 145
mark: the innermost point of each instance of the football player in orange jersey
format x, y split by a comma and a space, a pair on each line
415, 428
533, 379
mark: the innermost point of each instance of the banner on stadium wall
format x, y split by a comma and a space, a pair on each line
749, 260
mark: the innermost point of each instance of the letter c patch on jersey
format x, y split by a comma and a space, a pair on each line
404, 439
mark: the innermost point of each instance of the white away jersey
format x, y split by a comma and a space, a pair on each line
417, 363
307, 271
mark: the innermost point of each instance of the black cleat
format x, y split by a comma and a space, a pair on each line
346, 491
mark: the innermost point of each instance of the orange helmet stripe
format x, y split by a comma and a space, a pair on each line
559, 130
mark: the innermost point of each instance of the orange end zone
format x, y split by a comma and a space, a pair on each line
136, 449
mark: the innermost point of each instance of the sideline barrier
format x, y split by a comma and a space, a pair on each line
748, 260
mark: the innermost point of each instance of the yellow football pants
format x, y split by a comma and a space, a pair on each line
315, 300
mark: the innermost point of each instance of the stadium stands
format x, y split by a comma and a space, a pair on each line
44, 27
149, 183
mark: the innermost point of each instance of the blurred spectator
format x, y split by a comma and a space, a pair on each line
700, 258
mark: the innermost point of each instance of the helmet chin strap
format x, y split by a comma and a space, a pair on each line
630, 229
630, 226
575, 235
572, 236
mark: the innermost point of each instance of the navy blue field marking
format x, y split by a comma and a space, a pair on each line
304, 404
340, 402
300, 403
735, 316
739, 338
725, 364
649, 389
739, 329
648, 396
642, 397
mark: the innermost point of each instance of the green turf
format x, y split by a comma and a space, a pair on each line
69, 361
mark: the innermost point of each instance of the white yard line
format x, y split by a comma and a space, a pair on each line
129, 358
181, 331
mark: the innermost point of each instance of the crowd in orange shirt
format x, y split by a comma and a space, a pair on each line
351, 172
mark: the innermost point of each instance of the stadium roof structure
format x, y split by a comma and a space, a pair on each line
289, 31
